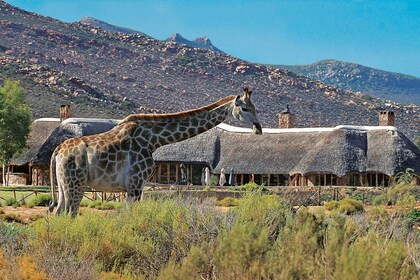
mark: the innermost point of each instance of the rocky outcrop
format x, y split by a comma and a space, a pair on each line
200, 42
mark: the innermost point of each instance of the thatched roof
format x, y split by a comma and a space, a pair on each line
339, 150
43, 141
203, 149
40, 130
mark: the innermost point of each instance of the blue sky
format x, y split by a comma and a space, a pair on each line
383, 34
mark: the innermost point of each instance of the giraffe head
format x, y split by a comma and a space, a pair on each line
244, 111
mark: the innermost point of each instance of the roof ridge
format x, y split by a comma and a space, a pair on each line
230, 128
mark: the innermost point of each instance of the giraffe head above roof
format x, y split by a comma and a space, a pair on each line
244, 111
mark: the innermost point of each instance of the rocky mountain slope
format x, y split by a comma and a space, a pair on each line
355, 77
107, 74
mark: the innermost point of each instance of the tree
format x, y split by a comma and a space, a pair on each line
15, 119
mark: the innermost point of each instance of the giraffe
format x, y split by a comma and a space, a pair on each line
120, 160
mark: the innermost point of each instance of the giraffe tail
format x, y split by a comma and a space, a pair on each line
53, 178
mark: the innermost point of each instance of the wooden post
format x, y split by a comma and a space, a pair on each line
319, 196
159, 172
168, 173
8, 175
4, 175
176, 172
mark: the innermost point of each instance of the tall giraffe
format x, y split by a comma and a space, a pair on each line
121, 158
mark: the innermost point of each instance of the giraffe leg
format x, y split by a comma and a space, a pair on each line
60, 203
135, 192
75, 197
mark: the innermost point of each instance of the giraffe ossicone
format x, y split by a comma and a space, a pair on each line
121, 158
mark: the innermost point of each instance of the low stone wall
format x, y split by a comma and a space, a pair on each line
18, 179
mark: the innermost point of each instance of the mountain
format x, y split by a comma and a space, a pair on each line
355, 77
106, 26
200, 42
108, 74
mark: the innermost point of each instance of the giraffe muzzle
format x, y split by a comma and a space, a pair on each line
257, 129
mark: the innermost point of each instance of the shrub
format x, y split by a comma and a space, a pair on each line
332, 205
346, 206
20, 268
228, 202
412, 219
11, 217
106, 205
140, 239
252, 187
349, 206
11, 201
242, 251
41, 200
95, 204
380, 200
266, 210
84, 203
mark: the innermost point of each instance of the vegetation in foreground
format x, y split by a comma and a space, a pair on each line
263, 237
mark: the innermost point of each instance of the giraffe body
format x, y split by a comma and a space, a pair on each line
121, 158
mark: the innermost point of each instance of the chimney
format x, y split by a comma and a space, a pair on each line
386, 118
64, 112
286, 119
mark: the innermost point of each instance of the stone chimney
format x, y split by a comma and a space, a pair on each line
286, 119
386, 118
64, 112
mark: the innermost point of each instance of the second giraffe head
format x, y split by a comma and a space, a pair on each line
244, 111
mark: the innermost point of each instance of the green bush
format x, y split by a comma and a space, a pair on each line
228, 202
346, 206
106, 205
84, 203
11, 217
332, 205
95, 204
380, 200
11, 201
41, 200
349, 206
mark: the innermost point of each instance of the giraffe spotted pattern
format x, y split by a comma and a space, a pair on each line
121, 158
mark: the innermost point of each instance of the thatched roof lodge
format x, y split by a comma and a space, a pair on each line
32, 166
342, 155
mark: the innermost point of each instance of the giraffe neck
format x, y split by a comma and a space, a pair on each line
159, 130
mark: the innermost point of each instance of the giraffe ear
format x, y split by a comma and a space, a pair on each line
237, 103
247, 94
